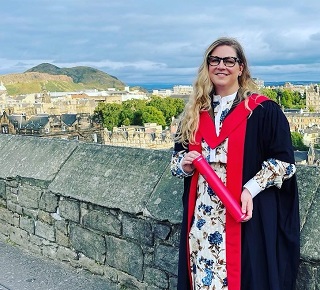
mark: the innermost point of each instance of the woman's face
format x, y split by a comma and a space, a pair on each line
223, 75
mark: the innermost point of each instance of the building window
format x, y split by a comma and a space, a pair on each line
4, 129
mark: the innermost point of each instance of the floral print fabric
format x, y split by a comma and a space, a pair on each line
207, 234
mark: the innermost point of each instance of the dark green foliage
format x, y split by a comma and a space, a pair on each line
137, 112
168, 106
287, 98
270, 93
297, 142
108, 115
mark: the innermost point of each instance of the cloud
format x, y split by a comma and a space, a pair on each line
160, 41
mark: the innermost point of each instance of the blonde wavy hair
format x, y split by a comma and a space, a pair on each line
203, 89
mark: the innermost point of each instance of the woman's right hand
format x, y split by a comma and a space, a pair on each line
187, 160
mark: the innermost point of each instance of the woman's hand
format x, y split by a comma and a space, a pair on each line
246, 204
187, 160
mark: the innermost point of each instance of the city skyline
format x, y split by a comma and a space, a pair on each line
151, 41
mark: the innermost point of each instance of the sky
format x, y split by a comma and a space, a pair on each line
160, 41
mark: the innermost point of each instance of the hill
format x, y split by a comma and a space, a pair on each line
52, 78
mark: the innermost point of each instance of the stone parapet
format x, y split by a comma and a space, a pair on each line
115, 211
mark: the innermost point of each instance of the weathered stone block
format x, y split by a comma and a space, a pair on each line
33, 213
88, 243
45, 231
148, 252
33, 157
307, 276
50, 251
33, 248
137, 229
166, 258
125, 256
173, 283
45, 217
14, 207
156, 277
19, 236
3, 202
310, 233
109, 177
38, 241
48, 202
66, 254
102, 221
7, 216
3, 189
174, 237
162, 231
27, 224
29, 196
127, 282
165, 202
62, 234
12, 183
91, 265
62, 226
4, 228
70, 209
308, 184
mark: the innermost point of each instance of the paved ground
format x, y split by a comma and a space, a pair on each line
22, 271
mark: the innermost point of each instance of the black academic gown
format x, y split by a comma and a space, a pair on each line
270, 240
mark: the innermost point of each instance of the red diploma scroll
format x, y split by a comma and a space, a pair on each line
219, 188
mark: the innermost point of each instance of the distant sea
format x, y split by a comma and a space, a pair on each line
163, 86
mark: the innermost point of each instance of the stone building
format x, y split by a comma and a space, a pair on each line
150, 136
299, 120
313, 98
65, 126
311, 135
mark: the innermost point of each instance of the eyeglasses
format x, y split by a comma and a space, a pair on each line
228, 61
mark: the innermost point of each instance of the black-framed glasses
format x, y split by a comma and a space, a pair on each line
228, 61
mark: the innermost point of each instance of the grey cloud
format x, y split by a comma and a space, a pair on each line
315, 36
152, 40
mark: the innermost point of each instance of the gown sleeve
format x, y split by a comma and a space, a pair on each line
276, 145
273, 173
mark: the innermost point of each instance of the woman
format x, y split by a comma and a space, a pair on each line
246, 139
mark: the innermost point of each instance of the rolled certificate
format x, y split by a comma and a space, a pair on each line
232, 206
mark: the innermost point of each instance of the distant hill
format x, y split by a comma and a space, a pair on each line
52, 78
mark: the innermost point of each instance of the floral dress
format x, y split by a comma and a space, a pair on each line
207, 234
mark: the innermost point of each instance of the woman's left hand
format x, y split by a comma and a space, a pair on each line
246, 204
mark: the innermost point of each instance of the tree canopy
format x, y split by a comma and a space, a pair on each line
285, 97
297, 142
137, 112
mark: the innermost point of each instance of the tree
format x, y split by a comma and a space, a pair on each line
109, 114
153, 115
137, 112
297, 141
270, 93
131, 112
168, 106
287, 98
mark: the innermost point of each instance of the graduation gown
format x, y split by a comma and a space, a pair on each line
270, 240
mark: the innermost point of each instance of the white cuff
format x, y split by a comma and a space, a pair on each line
253, 187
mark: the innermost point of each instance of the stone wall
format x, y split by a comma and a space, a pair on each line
114, 211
